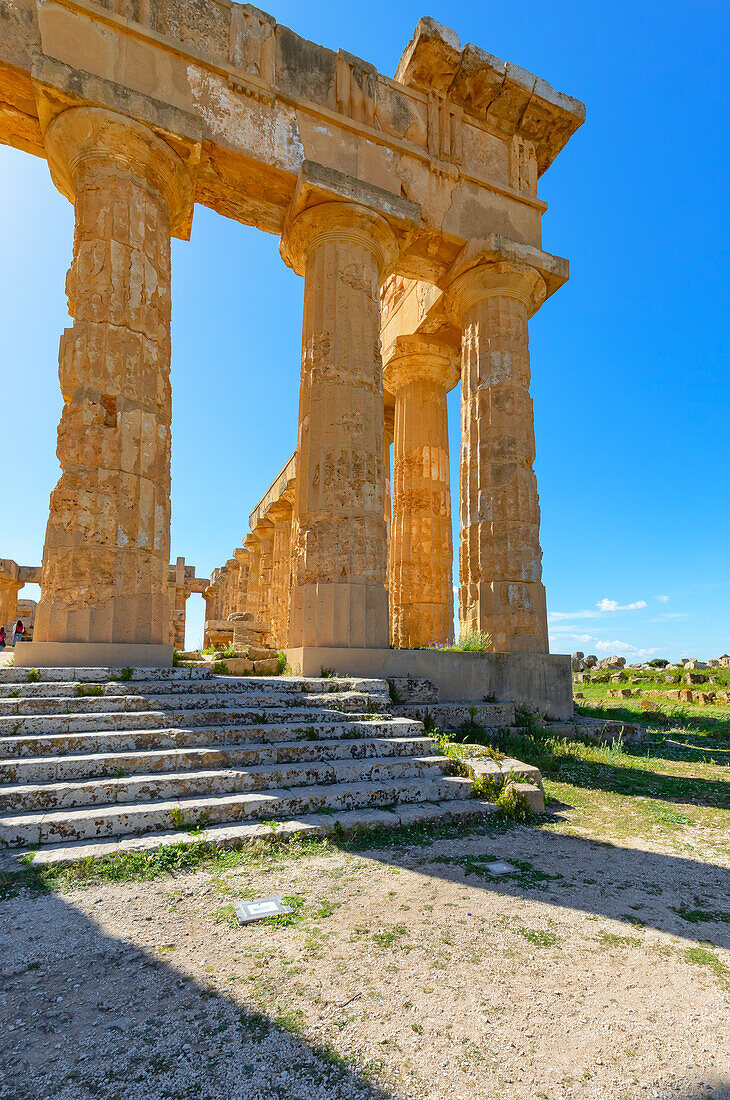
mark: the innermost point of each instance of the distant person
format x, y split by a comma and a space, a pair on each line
2, 638
18, 632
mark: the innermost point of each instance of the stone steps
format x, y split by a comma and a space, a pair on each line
55, 724
139, 734
85, 823
350, 702
152, 756
53, 769
27, 797
232, 835
95, 675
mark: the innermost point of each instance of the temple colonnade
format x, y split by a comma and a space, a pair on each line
409, 207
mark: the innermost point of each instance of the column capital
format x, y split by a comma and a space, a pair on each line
251, 542
419, 359
490, 279
232, 565
241, 555
338, 221
264, 529
495, 266
83, 135
280, 510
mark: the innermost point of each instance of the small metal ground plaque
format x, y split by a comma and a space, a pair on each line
501, 867
259, 908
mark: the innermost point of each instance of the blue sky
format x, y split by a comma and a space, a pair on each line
629, 359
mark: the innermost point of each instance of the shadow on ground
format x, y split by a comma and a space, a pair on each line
97, 1017
93, 1016
680, 896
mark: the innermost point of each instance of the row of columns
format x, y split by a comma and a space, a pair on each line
107, 545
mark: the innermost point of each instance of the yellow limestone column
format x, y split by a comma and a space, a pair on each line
265, 532
388, 437
253, 544
231, 587
339, 559
280, 514
388, 430
9, 588
209, 598
420, 373
243, 558
107, 547
500, 558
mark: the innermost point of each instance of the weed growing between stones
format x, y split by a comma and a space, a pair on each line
86, 690
33, 676
282, 665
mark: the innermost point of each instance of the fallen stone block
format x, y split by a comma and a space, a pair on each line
266, 668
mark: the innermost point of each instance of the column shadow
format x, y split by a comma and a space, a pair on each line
674, 894
89, 1016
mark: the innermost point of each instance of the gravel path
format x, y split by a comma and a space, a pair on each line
595, 971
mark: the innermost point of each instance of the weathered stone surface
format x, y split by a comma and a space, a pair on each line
500, 560
339, 550
107, 546
419, 373
413, 689
361, 175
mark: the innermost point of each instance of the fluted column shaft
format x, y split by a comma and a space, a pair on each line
265, 533
253, 544
106, 554
420, 373
231, 587
280, 515
243, 558
339, 559
500, 558
9, 588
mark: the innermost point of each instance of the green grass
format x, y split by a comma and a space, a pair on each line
197, 855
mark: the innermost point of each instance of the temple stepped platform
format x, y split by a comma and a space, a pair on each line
94, 762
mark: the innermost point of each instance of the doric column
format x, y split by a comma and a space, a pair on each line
230, 588
420, 372
500, 558
209, 598
265, 534
339, 558
10, 585
388, 437
253, 544
107, 545
242, 556
280, 514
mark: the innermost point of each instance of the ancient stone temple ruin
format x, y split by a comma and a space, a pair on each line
409, 206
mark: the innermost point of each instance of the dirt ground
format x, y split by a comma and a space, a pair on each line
408, 972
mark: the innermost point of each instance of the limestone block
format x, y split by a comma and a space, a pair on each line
258, 653
239, 665
269, 667
411, 689
533, 796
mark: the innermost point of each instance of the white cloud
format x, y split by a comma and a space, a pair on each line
663, 599
602, 607
603, 645
612, 605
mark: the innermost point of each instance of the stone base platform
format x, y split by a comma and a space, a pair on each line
91, 655
541, 681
